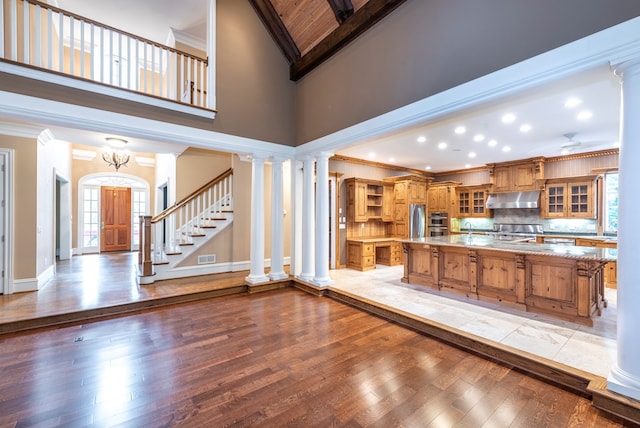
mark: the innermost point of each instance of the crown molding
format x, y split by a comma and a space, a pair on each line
188, 39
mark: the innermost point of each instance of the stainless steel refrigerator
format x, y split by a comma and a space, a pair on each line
417, 220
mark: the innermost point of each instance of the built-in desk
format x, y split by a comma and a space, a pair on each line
363, 254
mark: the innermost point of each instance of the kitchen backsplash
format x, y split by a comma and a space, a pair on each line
526, 216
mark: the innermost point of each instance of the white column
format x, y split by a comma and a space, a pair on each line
277, 211
297, 193
308, 223
257, 275
624, 377
322, 220
211, 55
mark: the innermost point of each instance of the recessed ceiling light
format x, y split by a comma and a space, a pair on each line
478, 138
508, 118
467, 165
584, 115
372, 155
460, 130
506, 149
428, 167
442, 145
492, 143
392, 159
472, 154
525, 127
422, 139
572, 102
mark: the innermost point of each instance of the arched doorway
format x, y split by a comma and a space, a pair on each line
90, 207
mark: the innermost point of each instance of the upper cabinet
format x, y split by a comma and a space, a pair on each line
407, 190
573, 197
517, 176
369, 200
471, 201
441, 196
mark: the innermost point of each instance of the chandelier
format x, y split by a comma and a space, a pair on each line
116, 157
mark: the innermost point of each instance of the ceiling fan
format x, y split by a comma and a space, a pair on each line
572, 145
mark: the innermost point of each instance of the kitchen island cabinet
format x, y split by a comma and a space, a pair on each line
563, 281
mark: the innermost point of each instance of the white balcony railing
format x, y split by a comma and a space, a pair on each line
39, 35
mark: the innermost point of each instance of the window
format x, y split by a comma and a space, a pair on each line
611, 202
138, 208
91, 218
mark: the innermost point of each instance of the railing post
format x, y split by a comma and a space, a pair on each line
146, 266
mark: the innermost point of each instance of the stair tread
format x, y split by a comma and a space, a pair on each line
197, 235
176, 253
208, 227
159, 263
185, 243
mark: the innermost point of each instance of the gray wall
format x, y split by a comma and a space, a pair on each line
426, 47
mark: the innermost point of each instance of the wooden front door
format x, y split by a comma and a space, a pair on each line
116, 218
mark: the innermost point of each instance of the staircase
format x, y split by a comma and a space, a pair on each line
169, 238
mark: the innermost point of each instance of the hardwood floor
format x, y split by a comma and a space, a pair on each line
279, 358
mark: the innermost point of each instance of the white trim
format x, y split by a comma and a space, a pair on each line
46, 276
85, 155
103, 89
613, 45
23, 107
8, 226
24, 285
20, 130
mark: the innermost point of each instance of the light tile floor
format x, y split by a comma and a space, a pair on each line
592, 349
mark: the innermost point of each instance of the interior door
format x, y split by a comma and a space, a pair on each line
115, 234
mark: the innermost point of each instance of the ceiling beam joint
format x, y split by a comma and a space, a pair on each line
270, 18
342, 9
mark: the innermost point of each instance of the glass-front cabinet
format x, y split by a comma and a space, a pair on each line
573, 197
471, 201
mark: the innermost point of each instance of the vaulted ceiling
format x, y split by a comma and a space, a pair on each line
309, 31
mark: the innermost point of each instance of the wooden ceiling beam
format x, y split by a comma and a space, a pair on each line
368, 15
270, 18
342, 9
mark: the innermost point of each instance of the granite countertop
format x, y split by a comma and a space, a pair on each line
374, 240
488, 242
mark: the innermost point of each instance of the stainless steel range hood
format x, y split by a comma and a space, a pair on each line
513, 200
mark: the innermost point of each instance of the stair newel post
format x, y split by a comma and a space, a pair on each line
179, 226
230, 192
140, 239
145, 243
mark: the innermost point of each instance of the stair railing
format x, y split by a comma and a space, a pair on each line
37, 34
177, 225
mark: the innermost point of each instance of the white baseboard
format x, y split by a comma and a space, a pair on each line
46, 276
24, 285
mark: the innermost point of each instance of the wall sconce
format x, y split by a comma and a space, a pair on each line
116, 157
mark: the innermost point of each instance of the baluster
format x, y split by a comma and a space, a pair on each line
82, 74
202, 87
153, 69
61, 44
49, 39
38, 36
160, 72
180, 224
119, 59
129, 63
182, 78
144, 66
110, 57
215, 201
13, 17
101, 60
190, 81
135, 66
231, 192
198, 223
71, 47
25, 31
91, 53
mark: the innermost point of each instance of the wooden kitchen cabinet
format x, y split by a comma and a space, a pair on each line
573, 197
361, 255
368, 200
471, 201
517, 176
407, 190
440, 197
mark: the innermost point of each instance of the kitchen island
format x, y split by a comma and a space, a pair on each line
559, 280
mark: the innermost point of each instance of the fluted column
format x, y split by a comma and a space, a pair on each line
624, 377
308, 217
257, 221
322, 220
277, 211
297, 178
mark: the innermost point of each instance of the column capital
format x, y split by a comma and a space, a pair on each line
625, 68
278, 159
323, 155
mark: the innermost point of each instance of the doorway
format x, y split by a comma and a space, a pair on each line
115, 230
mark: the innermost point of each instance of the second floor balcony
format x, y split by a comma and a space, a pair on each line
47, 43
